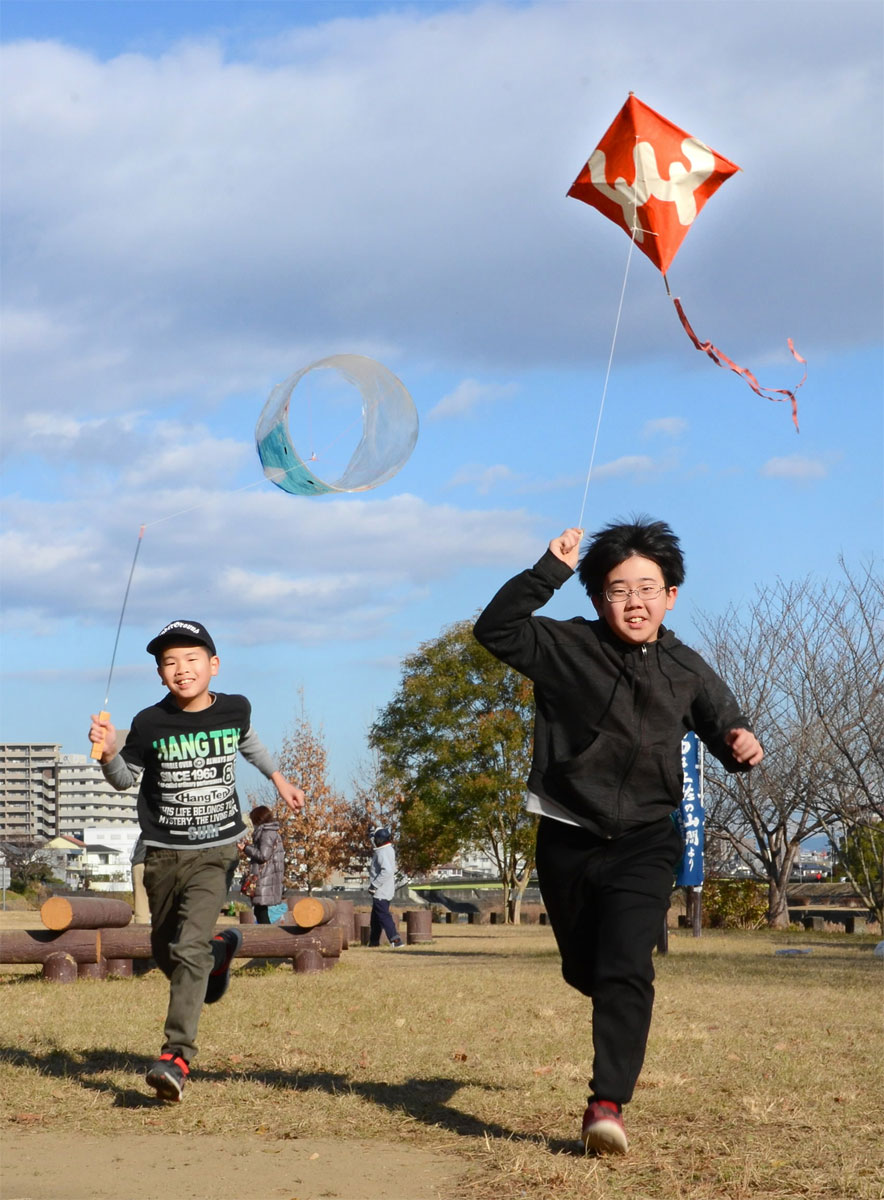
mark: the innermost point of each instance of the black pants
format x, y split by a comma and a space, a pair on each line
607, 900
382, 919
262, 917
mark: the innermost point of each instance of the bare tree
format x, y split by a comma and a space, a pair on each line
377, 800
28, 863
765, 815
321, 839
847, 684
805, 660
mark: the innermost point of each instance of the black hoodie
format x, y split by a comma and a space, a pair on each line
609, 716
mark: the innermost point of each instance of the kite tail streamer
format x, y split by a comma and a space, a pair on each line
722, 360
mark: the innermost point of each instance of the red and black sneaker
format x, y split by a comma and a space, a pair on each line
224, 947
603, 1131
168, 1076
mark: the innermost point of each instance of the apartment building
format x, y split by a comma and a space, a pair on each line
44, 793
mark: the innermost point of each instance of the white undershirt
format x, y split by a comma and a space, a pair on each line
548, 808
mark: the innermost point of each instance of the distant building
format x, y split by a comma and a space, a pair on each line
85, 799
28, 773
44, 793
105, 865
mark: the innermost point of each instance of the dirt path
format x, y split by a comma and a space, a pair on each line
58, 1166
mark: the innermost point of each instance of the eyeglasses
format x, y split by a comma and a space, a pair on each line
647, 591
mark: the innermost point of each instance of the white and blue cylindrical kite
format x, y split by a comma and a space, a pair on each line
389, 430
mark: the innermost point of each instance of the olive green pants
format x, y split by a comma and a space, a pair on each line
186, 890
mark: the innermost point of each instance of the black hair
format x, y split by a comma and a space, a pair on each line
621, 540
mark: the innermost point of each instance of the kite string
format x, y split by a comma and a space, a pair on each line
608, 370
147, 525
122, 613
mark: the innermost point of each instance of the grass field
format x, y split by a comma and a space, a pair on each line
763, 1077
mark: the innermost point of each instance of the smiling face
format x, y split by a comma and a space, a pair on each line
635, 620
187, 670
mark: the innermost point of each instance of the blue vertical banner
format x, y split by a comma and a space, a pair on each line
691, 815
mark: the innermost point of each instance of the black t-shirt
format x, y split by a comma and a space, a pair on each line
188, 795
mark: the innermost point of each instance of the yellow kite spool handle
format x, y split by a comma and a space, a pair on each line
98, 747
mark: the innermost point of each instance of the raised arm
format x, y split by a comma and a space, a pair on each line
507, 626
254, 751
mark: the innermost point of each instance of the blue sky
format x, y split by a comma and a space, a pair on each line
201, 198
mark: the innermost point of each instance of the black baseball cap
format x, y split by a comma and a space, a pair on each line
181, 631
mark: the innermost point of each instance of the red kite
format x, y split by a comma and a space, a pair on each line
652, 178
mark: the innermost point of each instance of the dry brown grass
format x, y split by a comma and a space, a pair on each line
762, 1080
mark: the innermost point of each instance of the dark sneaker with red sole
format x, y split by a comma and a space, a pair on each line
168, 1076
224, 947
603, 1131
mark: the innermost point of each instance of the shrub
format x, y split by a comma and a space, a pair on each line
734, 903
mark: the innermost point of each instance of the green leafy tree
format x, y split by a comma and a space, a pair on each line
457, 738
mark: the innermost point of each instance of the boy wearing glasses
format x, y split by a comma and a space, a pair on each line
613, 698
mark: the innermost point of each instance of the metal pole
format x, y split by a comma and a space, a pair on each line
697, 910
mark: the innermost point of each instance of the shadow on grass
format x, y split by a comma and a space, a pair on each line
427, 955
424, 1100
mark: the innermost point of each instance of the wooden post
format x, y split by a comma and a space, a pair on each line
119, 968
419, 926
84, 912
247, 917
361, 920
364, 935
60, 968
308, 960
343, 919
543, 918
92, 970
311, 911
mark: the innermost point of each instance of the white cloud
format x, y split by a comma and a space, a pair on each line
665, 426
795, 467
193, 225
268, 565
629, 465
467, 396
482, 478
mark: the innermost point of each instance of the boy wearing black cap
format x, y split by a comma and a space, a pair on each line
184, 751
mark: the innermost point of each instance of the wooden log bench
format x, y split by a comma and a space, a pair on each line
84, 912
93, 945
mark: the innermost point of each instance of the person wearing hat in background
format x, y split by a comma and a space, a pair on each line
183, 749
382, 885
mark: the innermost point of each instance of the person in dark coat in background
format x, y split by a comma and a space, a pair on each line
266, 853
